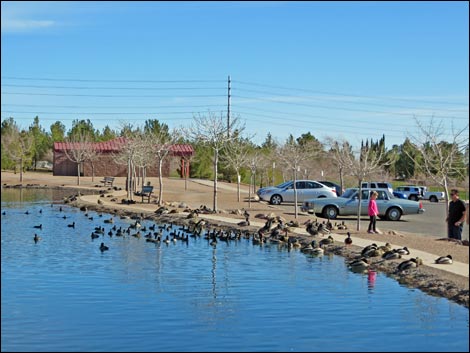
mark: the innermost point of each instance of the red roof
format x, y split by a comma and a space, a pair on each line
116, 144
181, 150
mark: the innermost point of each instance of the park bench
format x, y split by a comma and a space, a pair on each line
146, 192
107, 181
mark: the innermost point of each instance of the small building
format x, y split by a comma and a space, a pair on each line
105, 164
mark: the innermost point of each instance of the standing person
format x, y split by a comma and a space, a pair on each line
456, 216
373, 212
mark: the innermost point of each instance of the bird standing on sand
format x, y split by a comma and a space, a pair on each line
348, 240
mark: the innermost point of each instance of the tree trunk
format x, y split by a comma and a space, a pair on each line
134, 177
341, 181
78, 173
144, 175
216, 161
295, 194
238, 185
21, 170
160, 181
446, 196
358, 223
129, 191
249, 190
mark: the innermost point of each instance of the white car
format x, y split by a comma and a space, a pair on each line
306, 189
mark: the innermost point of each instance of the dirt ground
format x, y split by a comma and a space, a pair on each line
195, 193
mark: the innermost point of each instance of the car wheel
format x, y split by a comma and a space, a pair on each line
276, 200
413, 198
433, 199
330, 212
394, 214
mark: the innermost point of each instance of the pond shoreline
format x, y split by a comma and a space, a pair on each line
434, 282
430, 280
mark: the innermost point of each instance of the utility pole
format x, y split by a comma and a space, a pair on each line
228, 109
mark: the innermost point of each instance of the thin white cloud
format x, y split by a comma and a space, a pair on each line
27, 16
17, 25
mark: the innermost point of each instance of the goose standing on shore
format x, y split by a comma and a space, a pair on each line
348, 241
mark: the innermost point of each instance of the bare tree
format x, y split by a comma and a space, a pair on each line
187, 159
129, 153
253, 162
92, 156
143, 156
441, 160
341, 153
78, 148
161, 144
215, 132
236, 156
293, 154
361, 164
19, 146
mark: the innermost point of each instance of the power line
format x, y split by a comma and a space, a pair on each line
113, 88
340, 108
97, 118
110, 95
95, 113
353, 102
347, 94
103, 80
113, 106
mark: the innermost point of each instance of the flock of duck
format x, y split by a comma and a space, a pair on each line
385, 252
275, 231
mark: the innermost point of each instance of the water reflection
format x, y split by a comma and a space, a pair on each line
371, 277
214, 271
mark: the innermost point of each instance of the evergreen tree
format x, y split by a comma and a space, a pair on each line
57, 132
42, 142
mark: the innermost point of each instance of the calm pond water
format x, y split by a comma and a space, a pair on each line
63, 294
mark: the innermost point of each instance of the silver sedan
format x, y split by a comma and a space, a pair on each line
306, 189
390, 207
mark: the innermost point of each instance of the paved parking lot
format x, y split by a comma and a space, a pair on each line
430, 223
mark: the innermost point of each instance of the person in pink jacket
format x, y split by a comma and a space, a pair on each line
373, 212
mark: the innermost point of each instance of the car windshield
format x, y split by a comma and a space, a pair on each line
284, 184
348, 193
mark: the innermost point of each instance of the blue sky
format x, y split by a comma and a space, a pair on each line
347, 70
